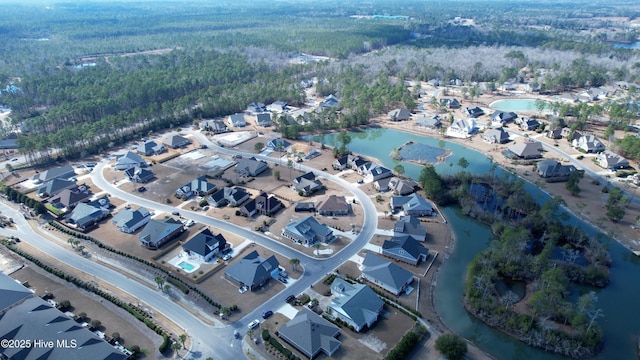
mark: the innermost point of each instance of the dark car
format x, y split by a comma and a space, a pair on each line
266, 314
142, 189
175, 213
290, 298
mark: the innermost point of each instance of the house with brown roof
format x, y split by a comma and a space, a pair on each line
333, 205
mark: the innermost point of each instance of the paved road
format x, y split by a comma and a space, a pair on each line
208, 340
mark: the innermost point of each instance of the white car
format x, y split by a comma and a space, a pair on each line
190, 223
254, 324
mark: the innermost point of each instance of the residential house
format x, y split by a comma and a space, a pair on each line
568, 134
278, 106
253, 271
399, 115
55, 186
150, 148
215, 126
86, 215
529, 124
333, 205
398, 185
310, 334
308, 231
503, 117
139, 175
553, 171
588, 143
237, 120
386, 274
251, 167
263, 119
462, 128
278, 144
329, 102
413, 204
524, 150
312, 154
372, 171
68, 198
474, 112
129, 160
495, 136
356, 304
405, 249
306, 184
555, 133
204, 245
227, 195
197, 187
429, 122
451, 103
10, 141
176, 141
25, 316
158, 232
307, 206
61, 172
256, 107
128, 221
263, 204
410, 226
356, 161
610, 160
340, 163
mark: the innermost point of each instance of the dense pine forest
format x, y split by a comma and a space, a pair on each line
82, 77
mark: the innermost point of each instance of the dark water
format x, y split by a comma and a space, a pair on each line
620, 300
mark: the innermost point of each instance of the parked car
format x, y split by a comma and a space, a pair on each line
226, 257
290, 298
282, 280
14, 159
254, 324
175, 213
142, 189
190, 223
266, 314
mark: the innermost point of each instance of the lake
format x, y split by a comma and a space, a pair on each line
619, 300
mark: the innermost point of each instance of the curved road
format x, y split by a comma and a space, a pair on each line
207, 340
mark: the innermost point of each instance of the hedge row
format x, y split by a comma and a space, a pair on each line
406, 345
286, 352
173, 279
142, 316
20, 198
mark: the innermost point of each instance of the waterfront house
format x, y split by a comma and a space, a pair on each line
405, 249
399, 115
386, 274
553, 171
410, 226
495, 136
413, 204
524, 150
356, 304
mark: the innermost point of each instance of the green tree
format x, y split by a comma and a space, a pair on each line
276, 174
399, 169
258, 146
463, 163
452, 346
183, 339
431, 183
294, 263
573, 183
159, 281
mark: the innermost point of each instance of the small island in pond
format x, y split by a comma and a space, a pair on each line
419, 153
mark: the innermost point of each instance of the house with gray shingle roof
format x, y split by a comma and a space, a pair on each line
429, 122
474, 112
329, 102
410, 226
588, 143
86, 215
263, 204
129, 220
451, 103
197, 187
137, 174
252, 270
405, 249
61, 172
372, 171
256, 107
176, 141
356, 304
413, 204
529, 124
553, 171
227, 195
386, 274
610, 160
263, 119
495, 136
397, 185
306, 183
26, 316
150, 148
129, 160
278, 106
311, 334
278, 144
524, 150
215, 126
158, 232
399, 115
333, 205
503, 117
204, 245
55, 186
237, 120
308, 231
251, 166
68, 198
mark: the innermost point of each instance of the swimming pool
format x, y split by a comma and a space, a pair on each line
187, 266
516, 105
